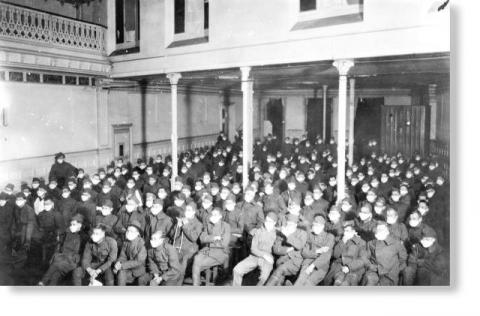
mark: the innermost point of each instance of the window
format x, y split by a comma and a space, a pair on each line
307, 5
83, 81
53, 79
15, 76
72, 80
179, 16
127, 21
205, 15
33, 77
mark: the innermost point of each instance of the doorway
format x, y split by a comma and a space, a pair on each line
122, 141
275, 115
315, 118
368, 124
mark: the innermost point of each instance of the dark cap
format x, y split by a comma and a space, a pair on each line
59, 155
428, 231
319, 219
137, 225
4, 196
10, 186
77, 218
107, 203
158, 201
20, 196
273, 216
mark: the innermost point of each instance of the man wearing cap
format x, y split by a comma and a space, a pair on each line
67, 253
288, 246
66, 206
260, 252
88, 209
97, 259
162, 263
107, 193
215, 238
309, 211
400, 205
107, 218
272, 201
427, 263
130, 265
61, 170
387, 258
38, 204
291, 194
23, 224
350, 258
319, 203
365, 224
316, 253
6, 221
49, 225
157, 220
185, 237
206, 209
127, 214
252, 213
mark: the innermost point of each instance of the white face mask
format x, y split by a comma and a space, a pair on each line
156, 210
96, 238
391, 220
148, 203
348, 235
371, 198
346, 208
3, 202
403, 192
269, 225
381, 235
206, 205
364, 216
35, 185
130, 208
162, 195
131, 235
413, 223
291, 186
178, 203
268, 190
65, 195
214, 219
230, 206
19, 204
317, 229
106, 211
395, 198
84, 198
95, 181
52, 186
155, 242
334, 217
48, 207
308, 202
130, 185
189, 214
427, 242
106, 190
75, 227
317, 196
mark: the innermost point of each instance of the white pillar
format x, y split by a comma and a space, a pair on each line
343, 66
432, 102
324, 133
247, 89
351, 139
174, 77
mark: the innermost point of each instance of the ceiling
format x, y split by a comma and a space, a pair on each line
396, 72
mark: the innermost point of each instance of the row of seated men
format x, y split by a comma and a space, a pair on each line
135, 228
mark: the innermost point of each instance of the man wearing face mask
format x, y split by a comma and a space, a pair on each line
272, 201
88, 209
206, 208
107, 193
24, 219
335, 223
291, 193
130, 265
396, 228
309, 211
316, 253
387, 258
185, 237
252, 213
396, 202
215, 237
350, 257
97, 259
260, 252
157, 220
107, 218
427, 263
365, 224
61, 170
67, 253
128, 214
162, 261
288, 246
38, 204
73, 188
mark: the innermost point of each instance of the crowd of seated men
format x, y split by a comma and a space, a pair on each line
131, 225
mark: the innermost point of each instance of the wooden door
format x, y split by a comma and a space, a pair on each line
403, 130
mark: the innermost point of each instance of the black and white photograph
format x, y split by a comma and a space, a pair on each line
215, 143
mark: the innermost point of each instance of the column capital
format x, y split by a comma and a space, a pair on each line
343, 66
325, 86
245, 73
174, 77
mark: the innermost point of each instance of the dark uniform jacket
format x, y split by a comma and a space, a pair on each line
217, 249
434, 260
185, 238
100, 256
6, 222
386, 257
163, 261
61, 172
68, 248
88, 210
125, 218
315, 242
133, 256
66, 207
23, 223
235, 219
399, 231
252, 214
297, 240
352, 254
110, 221
48, 226
160, 222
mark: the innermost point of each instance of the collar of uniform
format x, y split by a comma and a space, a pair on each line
389, 240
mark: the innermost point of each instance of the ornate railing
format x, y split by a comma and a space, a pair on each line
25, 24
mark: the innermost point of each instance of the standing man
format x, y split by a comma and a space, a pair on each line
61, 170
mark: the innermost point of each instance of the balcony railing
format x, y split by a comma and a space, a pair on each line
19, 23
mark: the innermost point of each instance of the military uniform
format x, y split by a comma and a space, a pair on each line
162, 261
